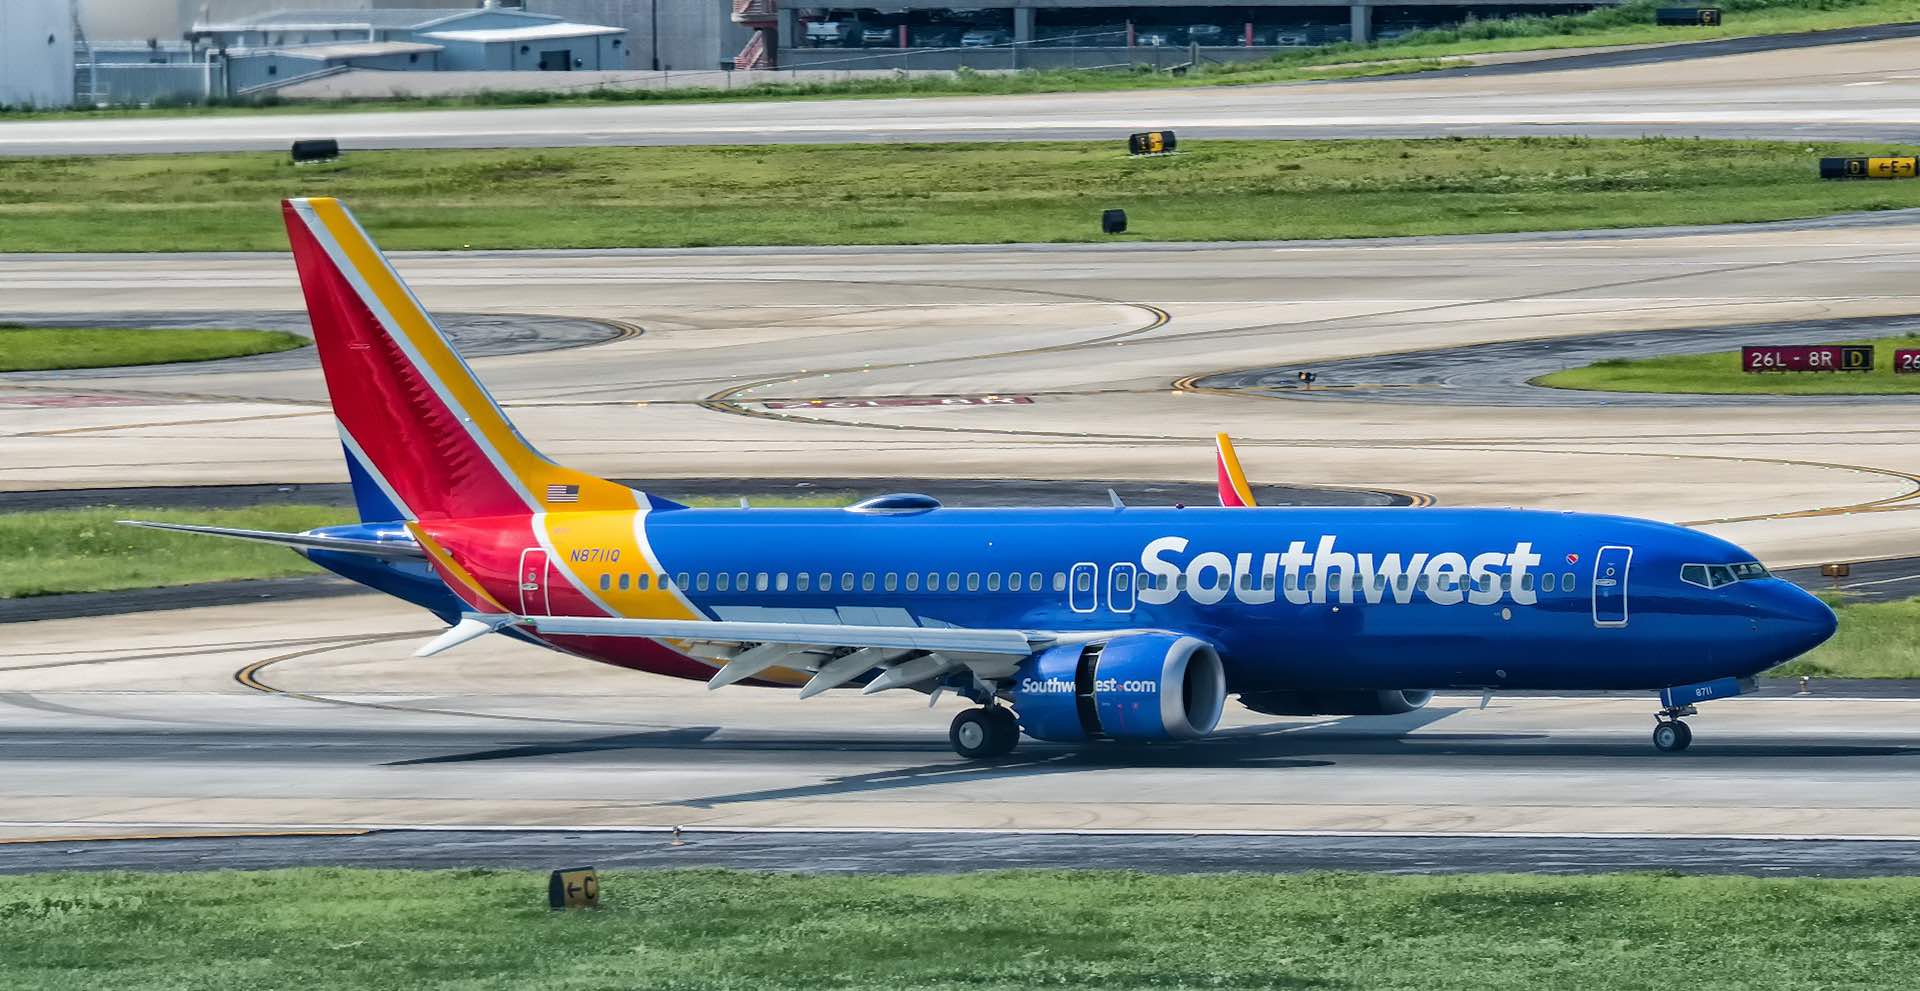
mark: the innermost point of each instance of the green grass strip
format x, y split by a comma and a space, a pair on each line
49, 348
481, 929
83, 550
1719, 373
934, 193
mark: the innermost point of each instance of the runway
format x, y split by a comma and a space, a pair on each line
1064, 362
314, 716
1865, 91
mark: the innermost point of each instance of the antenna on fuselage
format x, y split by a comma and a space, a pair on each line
1114, 498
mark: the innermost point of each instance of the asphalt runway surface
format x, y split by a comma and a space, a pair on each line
935, 852
1864, 91
313, 715
1502, 374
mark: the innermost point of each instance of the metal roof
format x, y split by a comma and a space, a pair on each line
355, 49
392, 19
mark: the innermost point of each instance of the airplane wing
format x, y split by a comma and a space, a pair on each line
833, 653
310, 541
1234, 490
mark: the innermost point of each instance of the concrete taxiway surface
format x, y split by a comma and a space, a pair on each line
1867, 91
1067, 362
313, 715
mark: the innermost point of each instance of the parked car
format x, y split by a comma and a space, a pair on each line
831, 34
934, 37
880, 36
985, 38
1207, 34
1154, 38
1285, 37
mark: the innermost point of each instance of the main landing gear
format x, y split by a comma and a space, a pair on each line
988, 731
1670, 735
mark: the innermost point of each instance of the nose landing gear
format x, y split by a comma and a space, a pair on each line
1670, 735
985, 732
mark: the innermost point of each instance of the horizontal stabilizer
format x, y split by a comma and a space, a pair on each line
305, 541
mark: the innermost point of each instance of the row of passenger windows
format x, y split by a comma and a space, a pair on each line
994, 581
1015, 581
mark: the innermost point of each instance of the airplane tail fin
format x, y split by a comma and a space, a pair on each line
424, 440
1234, 490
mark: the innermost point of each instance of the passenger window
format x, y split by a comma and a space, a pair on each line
641, 581
1567, 583
1546, 582
993, 581
1293, 581
803, 581
892, 582
846, 581
606, 582
866, 581
1246, 580
953, 581
1083, 582
913, 581
701, 581
973, 581
682, 580
760, 582
1122, 581
1401, 583
624, 581
1033, 581
1425, 583
1266, 583
1379, 583
740, 580
780, 582
722, 582
826, 582
1309, 581
1013, 582
1526, 583
1059, 581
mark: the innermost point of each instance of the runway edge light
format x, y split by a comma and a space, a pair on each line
577, 887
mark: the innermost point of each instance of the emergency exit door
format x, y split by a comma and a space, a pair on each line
533, 582
1610, 569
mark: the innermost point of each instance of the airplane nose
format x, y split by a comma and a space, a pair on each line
1808, 622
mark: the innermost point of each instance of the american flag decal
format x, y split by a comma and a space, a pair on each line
563, 493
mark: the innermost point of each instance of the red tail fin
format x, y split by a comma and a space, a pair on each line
405, 400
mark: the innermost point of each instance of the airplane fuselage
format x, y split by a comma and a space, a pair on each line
1295, 599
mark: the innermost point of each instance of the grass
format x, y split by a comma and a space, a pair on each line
485, 929
928, 193
1719, 373
45, 348
1875, 640
83, 550
1627, 24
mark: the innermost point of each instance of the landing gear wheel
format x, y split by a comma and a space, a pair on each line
1671, 736
977, 734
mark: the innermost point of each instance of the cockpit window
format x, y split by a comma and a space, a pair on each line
1720, 575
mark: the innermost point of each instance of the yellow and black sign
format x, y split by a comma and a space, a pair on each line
1150, 143
1705, 17
576, 888
1877, 167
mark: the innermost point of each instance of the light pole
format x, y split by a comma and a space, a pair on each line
653, 31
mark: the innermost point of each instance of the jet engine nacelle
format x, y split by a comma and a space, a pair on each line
1148, 686
1385, 703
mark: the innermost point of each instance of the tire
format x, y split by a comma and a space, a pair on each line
1006, 729
975, 734
1671, 737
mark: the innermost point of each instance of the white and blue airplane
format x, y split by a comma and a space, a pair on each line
1072, 624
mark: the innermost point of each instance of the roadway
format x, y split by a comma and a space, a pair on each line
312, 716
1866, 91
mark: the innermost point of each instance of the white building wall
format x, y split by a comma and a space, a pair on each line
36, 53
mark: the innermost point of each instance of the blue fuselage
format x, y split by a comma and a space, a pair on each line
1292, 598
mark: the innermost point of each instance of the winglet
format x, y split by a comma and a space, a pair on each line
1234, 490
